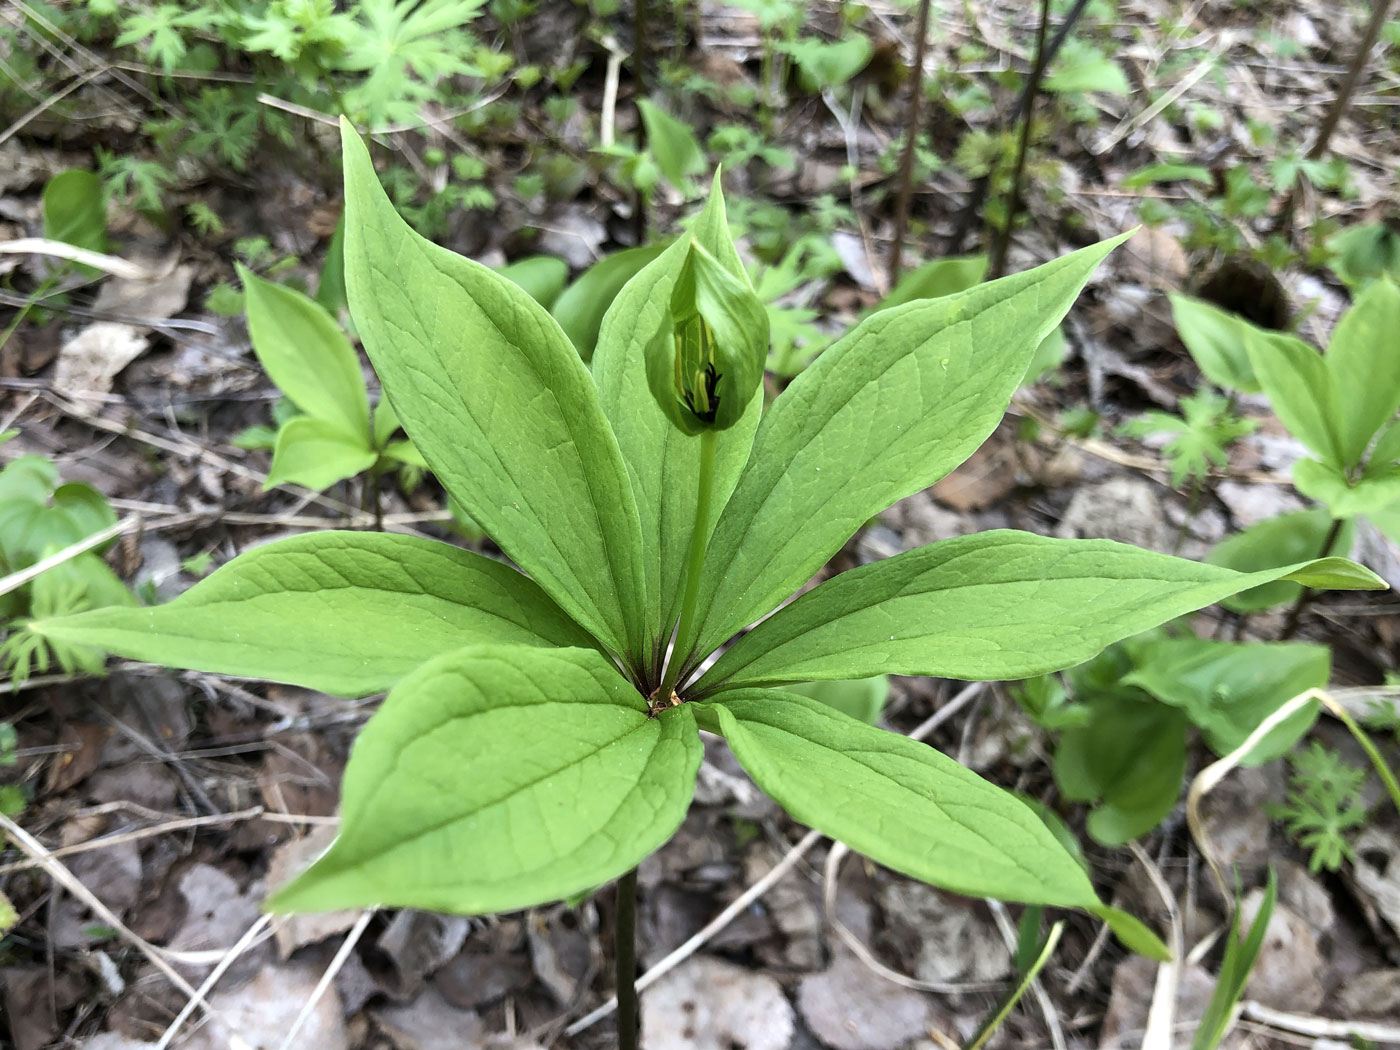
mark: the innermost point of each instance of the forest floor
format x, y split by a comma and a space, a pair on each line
162, 805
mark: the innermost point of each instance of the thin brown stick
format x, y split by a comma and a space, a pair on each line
911, 138
997, 266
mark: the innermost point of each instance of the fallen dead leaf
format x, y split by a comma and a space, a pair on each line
262, 1012
708, 1004
850, 1007
289, 860
88, 362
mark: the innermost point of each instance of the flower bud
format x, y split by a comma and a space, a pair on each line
706, 367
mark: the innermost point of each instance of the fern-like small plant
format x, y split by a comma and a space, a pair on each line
1323, 807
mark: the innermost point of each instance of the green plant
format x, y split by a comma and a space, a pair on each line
1123, 741
1342, 404
1323, 805
39, 516
306, 354
540, 734
1208, 424
1241, 953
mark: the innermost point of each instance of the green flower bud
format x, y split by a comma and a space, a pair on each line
704, 369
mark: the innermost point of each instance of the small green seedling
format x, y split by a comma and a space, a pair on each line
40, 516
306, 354
1207, 426
1324, 808
540, 736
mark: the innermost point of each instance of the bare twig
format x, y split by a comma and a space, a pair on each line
911, 137
342, 954
61, 250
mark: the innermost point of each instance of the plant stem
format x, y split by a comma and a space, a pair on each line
911, 138
997, 266
1290, 626
1372, 752
625, 950
699, 540
969, 210
639, 77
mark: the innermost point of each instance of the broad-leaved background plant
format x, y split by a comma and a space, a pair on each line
540, 734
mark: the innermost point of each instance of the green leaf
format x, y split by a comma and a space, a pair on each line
990, 606
1283, 540
862, 699
897, 801
543, 276
672, 144
317, 453
1130, 759
936, 279
1300, 389
348, 613
503, 410
330, 290
1345, 497
1089, 70
497, 778
307, 355
580, 309
1227, 689
884, 412
826, 65
1155, 173
75, 210
665, 463
1216, 341
1365, 367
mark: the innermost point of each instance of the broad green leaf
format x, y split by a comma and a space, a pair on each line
317, 453
1283, 540
671, 143
501, 406
936, 279
1130, 760
1089, 71
990, 606
385, 424
1300, 389
1227, 689
330, 290
543, 276
1386, 451
862, 699
405, 452
897, 801
582, 306
664, 463
823, 65
1155, 173
496, 778
884, 412
1215, 339
1365, 365
1343, 497
1387, 519
306, 354
348, 613
75, 210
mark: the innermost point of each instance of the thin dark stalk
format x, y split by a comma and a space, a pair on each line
1290, 626
625, 949
1379, 12
978, 194
639, 77
997, 266
911, 138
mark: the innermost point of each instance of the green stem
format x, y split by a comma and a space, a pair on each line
699, 540
625, 950
1295, 614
